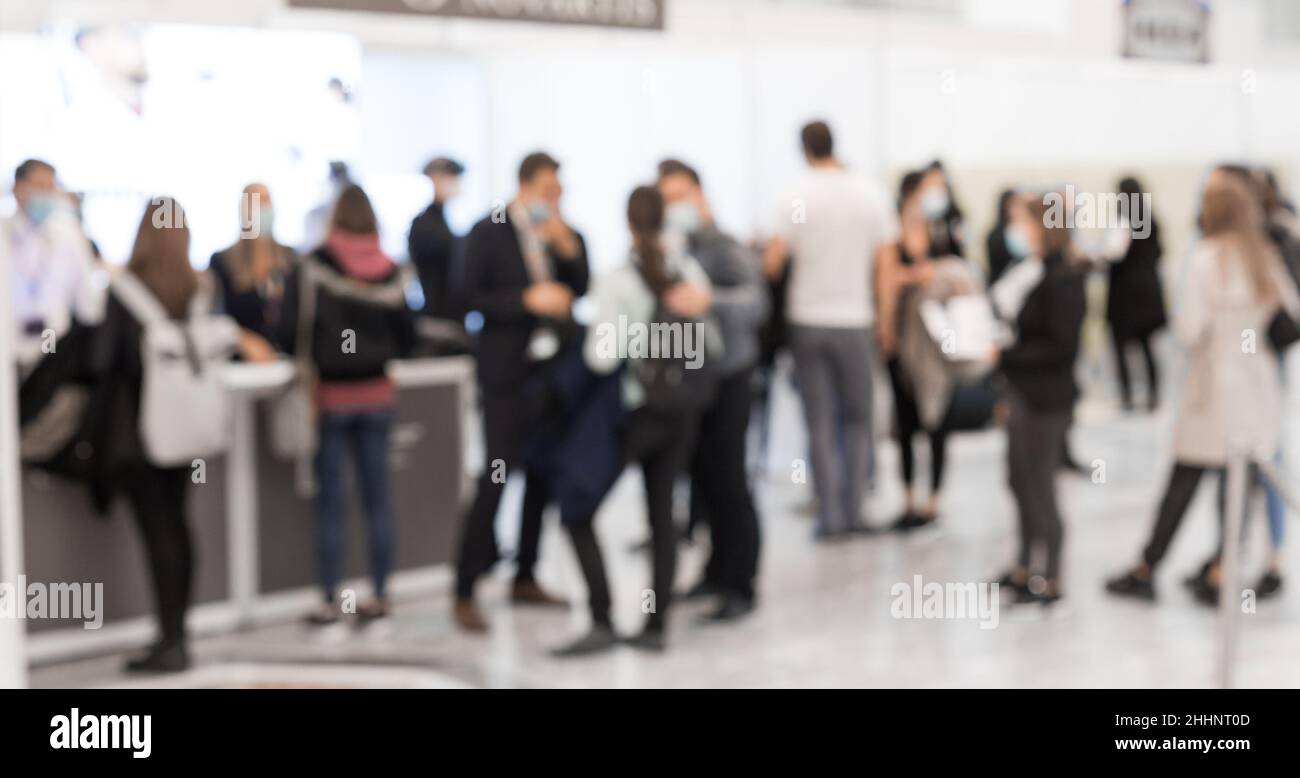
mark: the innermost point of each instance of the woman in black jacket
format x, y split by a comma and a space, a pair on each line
158, 495
358, 321
251, 273
1039, 371
1135, 300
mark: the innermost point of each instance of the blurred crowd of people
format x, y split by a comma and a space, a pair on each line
852, 282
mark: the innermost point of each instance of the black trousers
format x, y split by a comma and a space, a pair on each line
907, 419
1121, 365
1035, 440
158, 500
720, 489
504, 429
660, 444
1178, 497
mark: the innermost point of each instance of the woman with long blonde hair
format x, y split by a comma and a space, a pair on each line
1232, 397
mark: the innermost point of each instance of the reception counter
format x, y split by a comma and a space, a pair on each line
253, 533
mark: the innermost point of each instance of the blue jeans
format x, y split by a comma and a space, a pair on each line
1276, 509
366, 434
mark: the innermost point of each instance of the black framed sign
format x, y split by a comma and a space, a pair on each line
1167, 29
635, 14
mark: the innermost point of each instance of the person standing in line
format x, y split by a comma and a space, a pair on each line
1232, 398
897, 284
159, 496
1000, 256
251, 273
1135, 298
655, 278
946, 223
524, 266
719, 478
1284, 230
836, 226
1039, 371
433, 246
360, 298
51, 263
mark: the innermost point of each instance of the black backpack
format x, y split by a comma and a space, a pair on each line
672, 385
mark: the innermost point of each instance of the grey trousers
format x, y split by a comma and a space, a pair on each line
1035, 440
833, 371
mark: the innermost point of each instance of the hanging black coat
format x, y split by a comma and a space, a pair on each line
1135, 301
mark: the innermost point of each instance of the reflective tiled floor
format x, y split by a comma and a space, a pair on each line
825, 617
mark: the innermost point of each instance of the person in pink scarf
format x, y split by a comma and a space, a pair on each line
346, 311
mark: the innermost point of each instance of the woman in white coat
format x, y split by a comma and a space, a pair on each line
1232, 397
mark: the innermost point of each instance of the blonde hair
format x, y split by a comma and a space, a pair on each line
1231, 213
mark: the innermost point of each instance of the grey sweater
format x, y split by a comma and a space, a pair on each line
740, 298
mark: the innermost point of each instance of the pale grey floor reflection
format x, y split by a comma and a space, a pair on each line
824, 618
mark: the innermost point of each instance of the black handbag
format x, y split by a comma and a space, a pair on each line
1283, 331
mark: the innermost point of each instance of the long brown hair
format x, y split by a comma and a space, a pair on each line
645, 218
353, 212
1230, 211
1055, 235
161, 256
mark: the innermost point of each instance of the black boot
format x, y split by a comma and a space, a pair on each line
167, 657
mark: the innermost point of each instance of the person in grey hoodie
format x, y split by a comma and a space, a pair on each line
720, 492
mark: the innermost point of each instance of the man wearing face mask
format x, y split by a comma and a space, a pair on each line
524, 266
719, 488
432, 244
52, 265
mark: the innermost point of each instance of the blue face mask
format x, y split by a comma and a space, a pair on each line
1016, 241
934, 203
538, 212
41, 207
682, 217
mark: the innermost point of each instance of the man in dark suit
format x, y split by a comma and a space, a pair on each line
432, 244
523, 268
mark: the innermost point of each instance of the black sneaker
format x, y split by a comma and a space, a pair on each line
1270, 583
1130, 585
649, 639
732, 607
600, 638
161, 658
702, 590
909, 520
1007, 582
1206, 593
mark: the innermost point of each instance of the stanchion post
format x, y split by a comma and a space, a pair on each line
13, 658
1229, 566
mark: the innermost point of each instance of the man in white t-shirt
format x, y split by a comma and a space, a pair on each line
833, 227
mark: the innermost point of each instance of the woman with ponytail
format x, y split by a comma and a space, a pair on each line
653, 282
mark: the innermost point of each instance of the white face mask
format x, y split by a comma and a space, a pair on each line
934, 203
682, 217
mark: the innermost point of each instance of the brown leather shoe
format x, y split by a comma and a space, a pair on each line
529, 593
468, 617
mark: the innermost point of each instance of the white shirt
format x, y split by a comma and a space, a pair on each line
834, 222
51, 279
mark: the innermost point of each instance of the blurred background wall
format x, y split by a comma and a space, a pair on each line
1004, 91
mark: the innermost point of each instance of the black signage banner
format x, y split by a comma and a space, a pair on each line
636, 14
